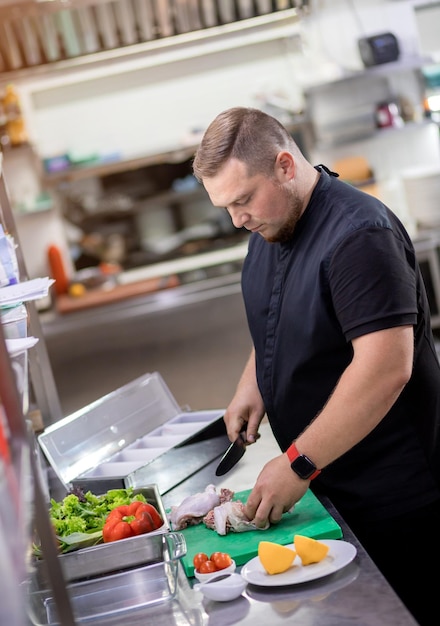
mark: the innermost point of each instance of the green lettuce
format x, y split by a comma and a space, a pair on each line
79, 518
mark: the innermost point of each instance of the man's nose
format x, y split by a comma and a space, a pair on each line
239, 218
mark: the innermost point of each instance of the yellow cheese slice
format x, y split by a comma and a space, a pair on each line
275, 558
309, 550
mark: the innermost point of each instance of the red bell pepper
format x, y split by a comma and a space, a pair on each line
129, 520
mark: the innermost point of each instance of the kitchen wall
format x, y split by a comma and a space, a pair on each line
130, 107
152, 102
152, 109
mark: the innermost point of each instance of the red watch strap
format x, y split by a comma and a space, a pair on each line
292, 453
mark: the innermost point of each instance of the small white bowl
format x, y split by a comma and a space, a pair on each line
205, 577
222, 589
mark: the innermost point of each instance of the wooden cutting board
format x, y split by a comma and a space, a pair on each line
309, 518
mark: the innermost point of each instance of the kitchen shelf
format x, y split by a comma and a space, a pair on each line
406, 64
367, 134
179, 154
163, 49
105, 168
186, 264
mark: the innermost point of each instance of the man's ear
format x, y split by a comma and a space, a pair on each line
284, 166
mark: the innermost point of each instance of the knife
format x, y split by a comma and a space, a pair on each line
232, 455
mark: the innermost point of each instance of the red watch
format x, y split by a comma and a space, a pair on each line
301, 464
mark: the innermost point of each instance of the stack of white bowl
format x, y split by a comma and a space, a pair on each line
422, 191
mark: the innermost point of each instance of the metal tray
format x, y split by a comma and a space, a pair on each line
125, 553
111, 597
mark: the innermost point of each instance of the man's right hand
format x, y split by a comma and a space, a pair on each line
276, 491
246, 409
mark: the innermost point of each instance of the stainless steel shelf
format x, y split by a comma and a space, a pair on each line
161, 49
179, 155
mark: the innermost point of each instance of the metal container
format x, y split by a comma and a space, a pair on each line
117, 555
145, 20
136, 436
113, 442
107, 599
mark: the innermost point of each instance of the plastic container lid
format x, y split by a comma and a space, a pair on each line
82, 440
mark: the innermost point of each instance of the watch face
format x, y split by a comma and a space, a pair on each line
303, 466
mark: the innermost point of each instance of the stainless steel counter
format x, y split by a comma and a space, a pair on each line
357, 594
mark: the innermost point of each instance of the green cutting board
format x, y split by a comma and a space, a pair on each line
309, 517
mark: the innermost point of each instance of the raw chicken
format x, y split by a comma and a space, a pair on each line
193, 509
229, 517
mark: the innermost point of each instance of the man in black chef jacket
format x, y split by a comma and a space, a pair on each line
343, 361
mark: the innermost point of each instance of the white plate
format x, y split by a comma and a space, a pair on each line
340, 554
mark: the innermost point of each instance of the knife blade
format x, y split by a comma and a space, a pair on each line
232, 455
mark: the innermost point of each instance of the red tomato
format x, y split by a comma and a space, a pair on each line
221, 560
199, 558
207, 567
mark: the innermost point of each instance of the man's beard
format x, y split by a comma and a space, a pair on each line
285, 233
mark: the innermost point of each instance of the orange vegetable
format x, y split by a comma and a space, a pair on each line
198, 559
216, 562
57, 270
207, 567
222, 560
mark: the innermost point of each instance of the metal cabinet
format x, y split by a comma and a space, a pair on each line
24, 504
